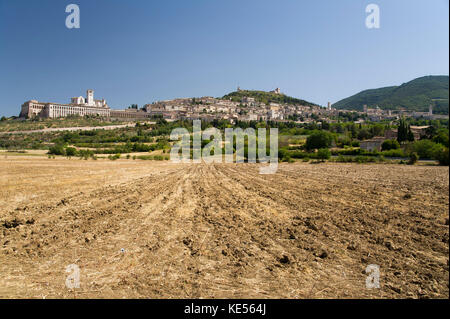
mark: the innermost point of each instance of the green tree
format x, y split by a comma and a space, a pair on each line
325, 126
430, 131
443, 156
390, 145
441, 137
339, 128
377, 130
402, 131
409, 134
364, 134
426, 148
317, 140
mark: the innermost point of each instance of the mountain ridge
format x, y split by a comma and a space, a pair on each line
415, 95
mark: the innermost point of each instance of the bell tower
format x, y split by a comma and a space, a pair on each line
90, 97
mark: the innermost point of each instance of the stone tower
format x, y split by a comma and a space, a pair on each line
90, 97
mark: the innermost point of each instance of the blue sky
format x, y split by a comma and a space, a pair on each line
140, 51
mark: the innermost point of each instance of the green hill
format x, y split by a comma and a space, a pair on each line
415, 95
266, 97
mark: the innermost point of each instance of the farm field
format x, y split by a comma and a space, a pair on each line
149, 229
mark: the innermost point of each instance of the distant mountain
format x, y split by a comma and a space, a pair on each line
415, 95
266, 97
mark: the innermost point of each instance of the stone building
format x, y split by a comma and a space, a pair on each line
276, 91
129, 114
373, 144
78, 106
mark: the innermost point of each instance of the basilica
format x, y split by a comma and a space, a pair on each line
79, 106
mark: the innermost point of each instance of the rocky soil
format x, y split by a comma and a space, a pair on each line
143, 229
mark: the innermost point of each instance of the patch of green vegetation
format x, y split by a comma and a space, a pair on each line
266, 97
426, 149
360, 159
153, 158
15, 124
319, 140
390, 145
114, 157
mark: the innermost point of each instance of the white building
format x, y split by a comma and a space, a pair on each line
78, 106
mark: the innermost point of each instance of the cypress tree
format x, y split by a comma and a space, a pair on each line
410, 134
402, 131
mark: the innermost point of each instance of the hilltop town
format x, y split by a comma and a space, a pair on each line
242, 105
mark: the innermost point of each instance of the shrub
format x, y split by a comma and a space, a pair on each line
56, 150
283, 155
343, 141
323, 154
114, 157
394, 153
86, 154
390, 145
71, 151
359, 159
286, 158
299, 154
355, 151
443, 156
141, 147
413, 158
364, 159
144, 157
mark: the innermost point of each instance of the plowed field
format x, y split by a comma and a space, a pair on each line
145, 229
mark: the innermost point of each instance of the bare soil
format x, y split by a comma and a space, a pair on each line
144, 229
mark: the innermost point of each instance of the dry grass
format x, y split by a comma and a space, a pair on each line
221, 231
